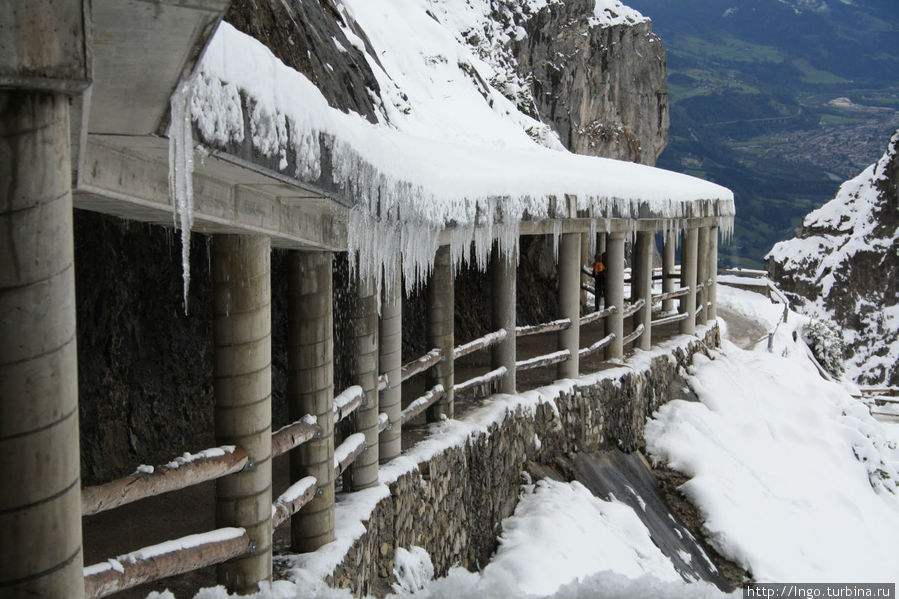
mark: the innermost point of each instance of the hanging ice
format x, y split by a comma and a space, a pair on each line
181, 169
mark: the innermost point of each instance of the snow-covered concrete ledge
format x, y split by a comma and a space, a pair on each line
451, 491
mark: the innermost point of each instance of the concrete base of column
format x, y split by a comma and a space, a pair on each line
310, 390
364, 471
243, 394
503, 274
40, 496
569, 302
440, 323
390, 362
688, 279
615, 293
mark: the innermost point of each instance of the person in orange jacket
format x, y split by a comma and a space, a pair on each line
599, 279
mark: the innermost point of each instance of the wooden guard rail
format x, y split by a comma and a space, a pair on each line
481, 380
294, 434
421, 364
422, 403
586, 351
488, 340
670, 294
347, 452
546, 327
635, 334
632, 309
163, 560
290, 501
669, 319
347, 402
544, 360
594, 316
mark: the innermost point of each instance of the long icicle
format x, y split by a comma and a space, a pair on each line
181, 169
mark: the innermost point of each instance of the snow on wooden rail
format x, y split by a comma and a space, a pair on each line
631, 309
293, 499
347, 402
633, 336
484, 379
294, 434
422, 403
670, 294
546, 327
544, 360
669, 319
421, 364
344, 455
163, 560
184, 471
594, 316
383, 422
586, 351
488, 340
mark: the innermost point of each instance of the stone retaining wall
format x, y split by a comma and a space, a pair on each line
453, 504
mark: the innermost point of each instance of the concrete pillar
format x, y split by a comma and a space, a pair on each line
503, 274
310, 390
440, 322
636, 274
364, 471
702, 272
643, 257
569, 302
713, 274
241, 267
615, 293
390, 362
688, 279
40, 494
669, 283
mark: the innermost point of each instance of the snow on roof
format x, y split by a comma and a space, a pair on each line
451, 151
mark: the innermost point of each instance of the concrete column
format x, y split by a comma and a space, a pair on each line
390, 362
669, 283
636, 274
643, 257
364, 471
615, 293
569, 302
440, 322
310, 390
702, 272
40, 495
503, 273
241, 267
713, 274
688, 279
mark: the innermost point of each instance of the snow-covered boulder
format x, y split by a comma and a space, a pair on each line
843, 266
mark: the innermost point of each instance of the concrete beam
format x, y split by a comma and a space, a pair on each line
241, 266
364, 471
569, 302
612, 225
688, 279
128, 177
40, 496
615, 293
310, 390
390, 362
440, 322
503, 277
643, 284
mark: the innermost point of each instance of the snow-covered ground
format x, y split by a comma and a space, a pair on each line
794, 479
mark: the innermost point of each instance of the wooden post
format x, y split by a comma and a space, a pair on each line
644, 287
615, 294
440, 322
569, 302
243, 394
390, 361
503, 272
310, 390
364, 471
688, 279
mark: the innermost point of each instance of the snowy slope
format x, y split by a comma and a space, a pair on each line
843, 265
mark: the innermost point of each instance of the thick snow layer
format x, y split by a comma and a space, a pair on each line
794, 479
452, 152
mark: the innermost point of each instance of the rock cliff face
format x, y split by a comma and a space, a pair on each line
843, 268
601, 87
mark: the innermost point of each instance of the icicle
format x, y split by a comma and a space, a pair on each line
557, 234
181, 169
